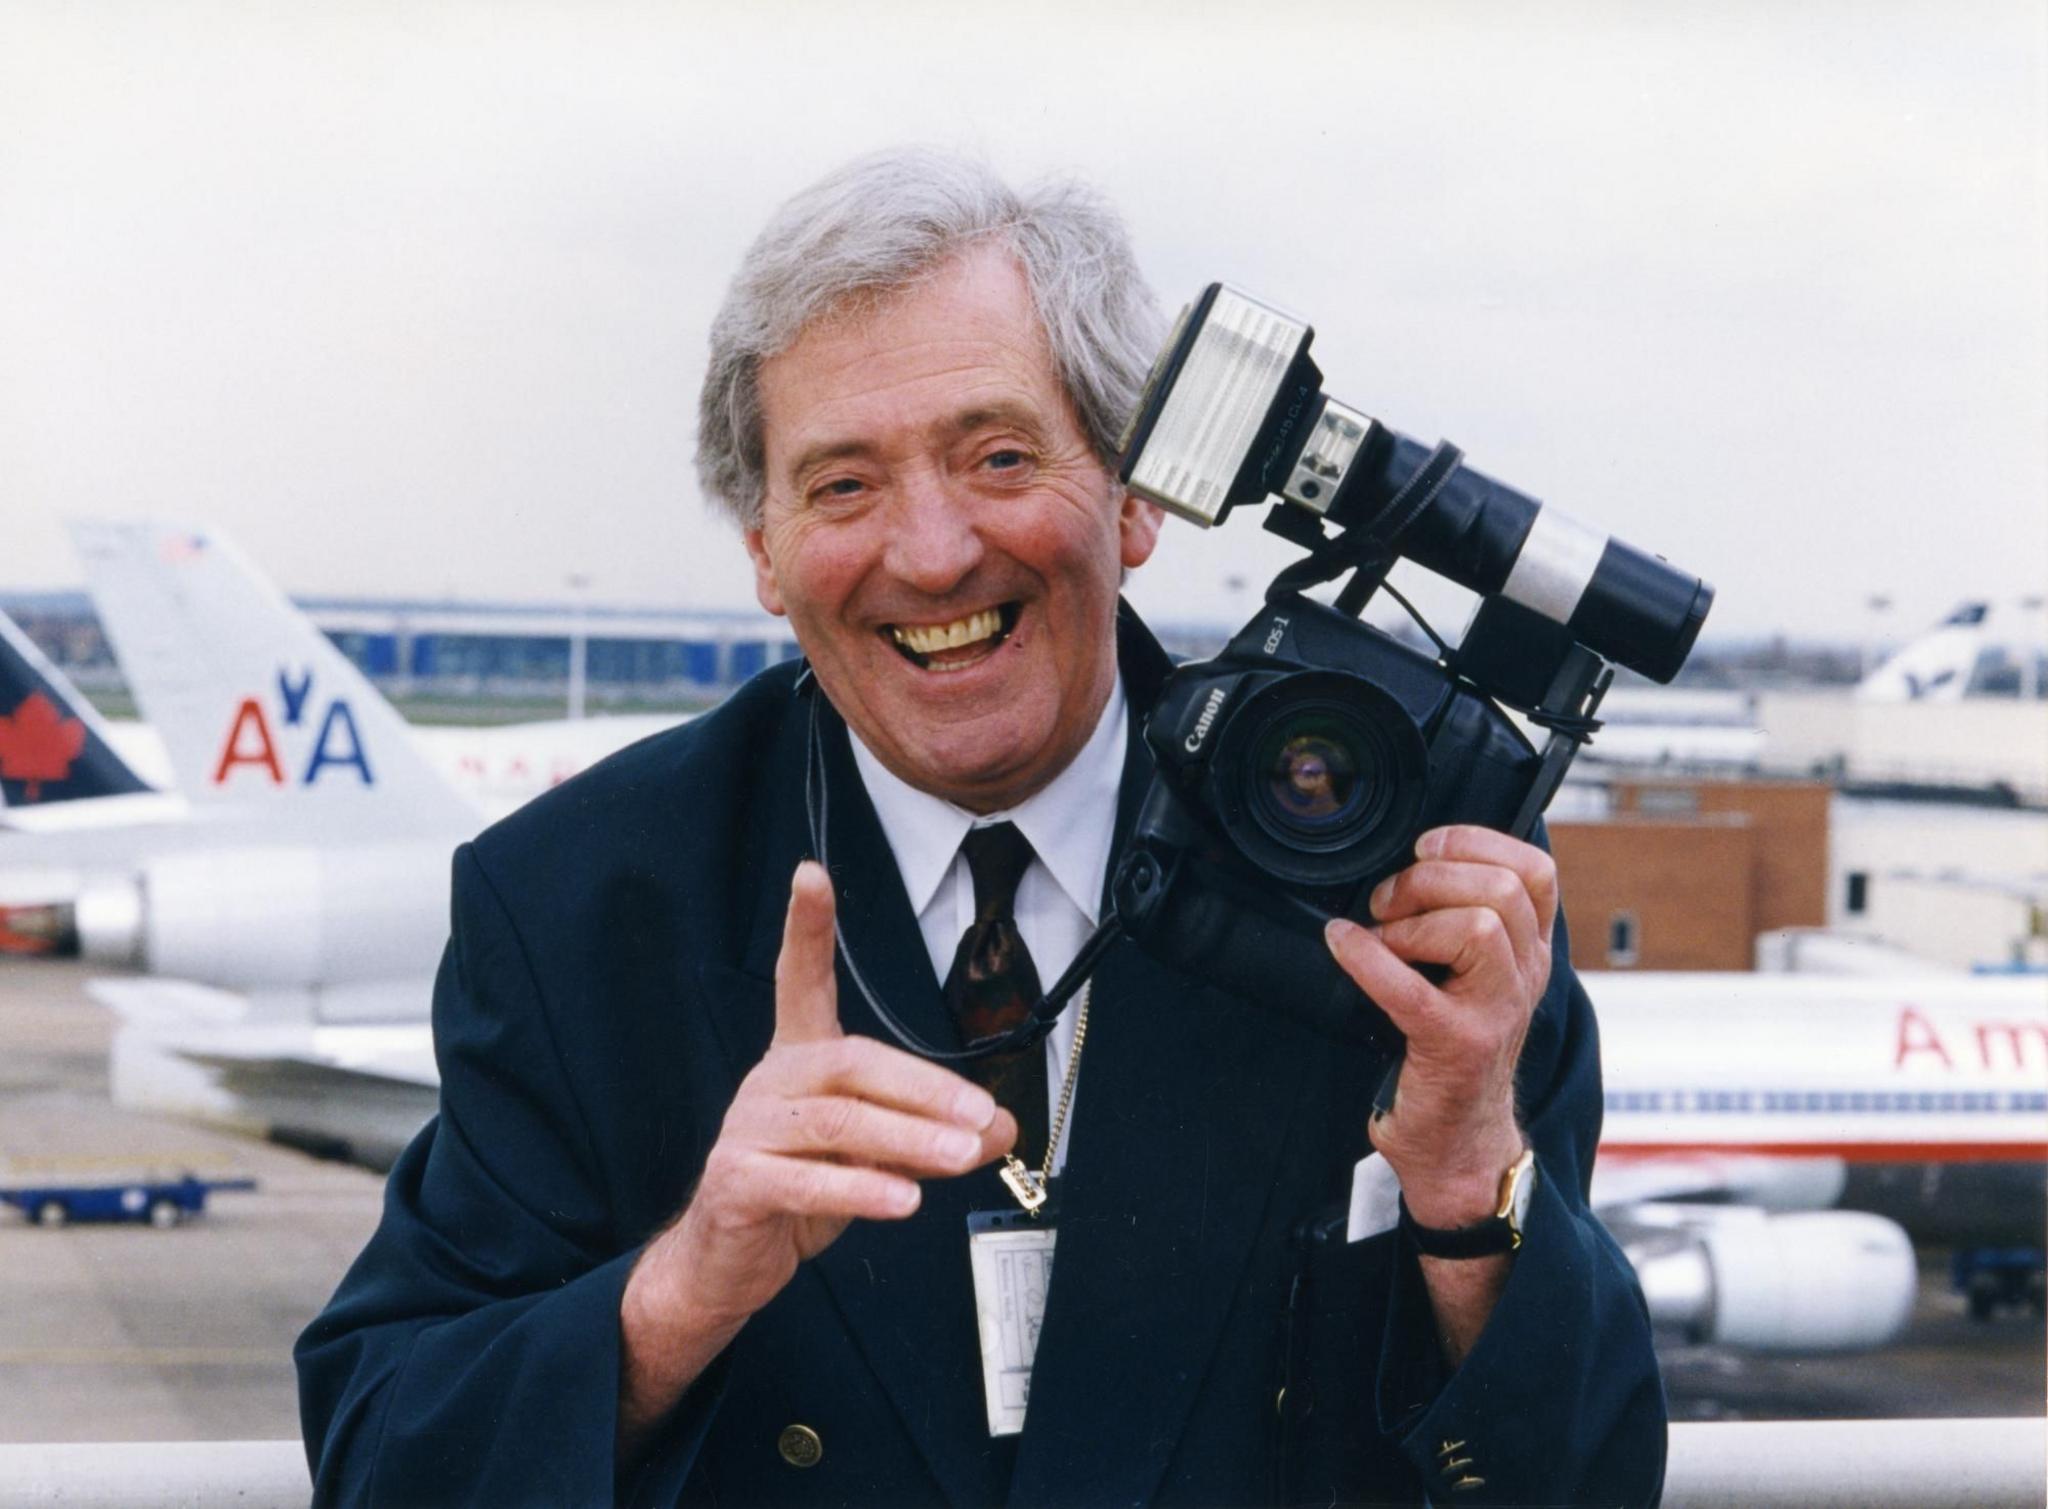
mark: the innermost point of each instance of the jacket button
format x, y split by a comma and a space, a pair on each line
800, 1446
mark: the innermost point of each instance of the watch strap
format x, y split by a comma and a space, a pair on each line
1499, 1232
1480, 1239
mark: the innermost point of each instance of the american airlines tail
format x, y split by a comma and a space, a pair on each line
53, 747
257, 709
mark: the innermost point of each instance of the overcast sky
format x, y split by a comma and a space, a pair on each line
412, 298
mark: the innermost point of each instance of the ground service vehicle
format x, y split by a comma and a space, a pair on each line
163, 1200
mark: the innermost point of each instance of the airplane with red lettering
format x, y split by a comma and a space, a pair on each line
64, 768
255, 706
257, 709
1772, 1140
1940, 1068
316, 839
316, 827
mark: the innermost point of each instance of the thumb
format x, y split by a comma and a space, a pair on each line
806, 993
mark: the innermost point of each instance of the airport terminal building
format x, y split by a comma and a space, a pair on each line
481, 652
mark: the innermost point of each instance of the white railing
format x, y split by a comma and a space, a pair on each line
1859, 1464
1770, 1464
155, 1475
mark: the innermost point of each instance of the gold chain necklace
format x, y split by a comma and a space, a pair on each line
1033, 1189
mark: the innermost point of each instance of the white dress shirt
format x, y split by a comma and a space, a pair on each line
1069, 825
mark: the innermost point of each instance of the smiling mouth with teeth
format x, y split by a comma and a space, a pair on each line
954, 646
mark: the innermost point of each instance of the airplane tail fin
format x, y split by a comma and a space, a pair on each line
255, 705
1959, 657
1933, 667
53, 747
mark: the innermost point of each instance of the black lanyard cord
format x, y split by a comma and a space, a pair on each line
1045, 1011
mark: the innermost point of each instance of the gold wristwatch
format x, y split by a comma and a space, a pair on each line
1500, 1232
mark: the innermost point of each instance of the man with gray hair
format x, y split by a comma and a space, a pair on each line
722, 1203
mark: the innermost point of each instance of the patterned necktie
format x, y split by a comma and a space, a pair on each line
993, 983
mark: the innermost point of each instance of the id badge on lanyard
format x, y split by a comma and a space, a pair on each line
1010, 1252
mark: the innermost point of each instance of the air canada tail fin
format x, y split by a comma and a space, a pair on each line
256, 707
53, 747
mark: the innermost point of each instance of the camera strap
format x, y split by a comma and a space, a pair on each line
1045, 1011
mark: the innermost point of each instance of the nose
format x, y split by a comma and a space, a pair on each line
933, 539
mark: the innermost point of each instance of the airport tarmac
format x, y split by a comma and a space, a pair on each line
122, 1332
112, 1332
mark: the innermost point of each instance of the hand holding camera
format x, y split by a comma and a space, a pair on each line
1480, 906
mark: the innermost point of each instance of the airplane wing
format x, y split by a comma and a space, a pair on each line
266, 1065
273, 1074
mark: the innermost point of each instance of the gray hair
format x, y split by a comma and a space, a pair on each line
882, 223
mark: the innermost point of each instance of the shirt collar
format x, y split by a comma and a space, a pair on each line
1069, 822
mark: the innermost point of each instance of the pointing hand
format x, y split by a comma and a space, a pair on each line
826, 1129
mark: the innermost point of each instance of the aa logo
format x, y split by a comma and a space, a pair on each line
252, 743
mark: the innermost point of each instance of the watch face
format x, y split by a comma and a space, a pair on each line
1524, 1176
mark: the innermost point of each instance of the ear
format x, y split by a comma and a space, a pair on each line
1138, 527
765, 586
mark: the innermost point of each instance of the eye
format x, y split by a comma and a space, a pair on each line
1007, 459
837, 489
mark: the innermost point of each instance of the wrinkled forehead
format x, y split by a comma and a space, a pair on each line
965, 340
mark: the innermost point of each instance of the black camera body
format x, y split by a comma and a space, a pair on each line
1294, 772
1296, 769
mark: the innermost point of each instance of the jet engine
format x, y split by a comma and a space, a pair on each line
1814, 1281
252, 918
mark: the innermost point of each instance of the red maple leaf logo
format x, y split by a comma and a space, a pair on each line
38, 743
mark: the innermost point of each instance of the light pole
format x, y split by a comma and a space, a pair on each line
2033, 647
576, 581
1873, 649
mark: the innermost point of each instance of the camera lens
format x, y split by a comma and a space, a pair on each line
1319, 776
1308, 767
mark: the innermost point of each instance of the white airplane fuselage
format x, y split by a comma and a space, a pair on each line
1940, 1067
1921, 1098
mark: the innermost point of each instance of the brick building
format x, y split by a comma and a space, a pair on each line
1685, 873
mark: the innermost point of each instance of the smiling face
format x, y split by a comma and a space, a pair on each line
941, 535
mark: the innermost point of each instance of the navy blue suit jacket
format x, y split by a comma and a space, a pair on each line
607, 985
